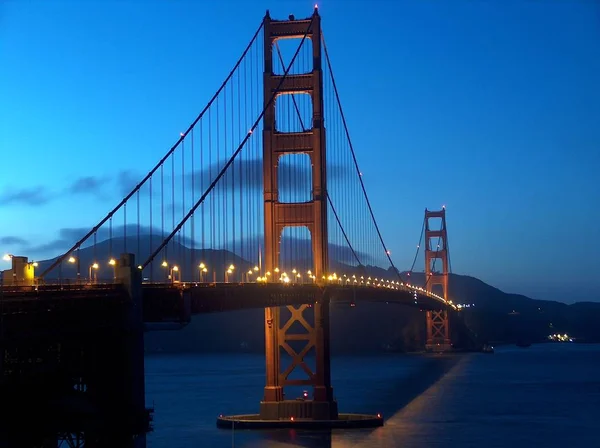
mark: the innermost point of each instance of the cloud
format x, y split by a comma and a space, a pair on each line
87, 184
37, 195
40, 195
248, 174
13, 240
243, 174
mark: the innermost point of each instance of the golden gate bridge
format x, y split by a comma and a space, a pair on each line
259, 203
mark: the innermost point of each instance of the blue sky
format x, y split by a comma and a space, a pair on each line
491, 108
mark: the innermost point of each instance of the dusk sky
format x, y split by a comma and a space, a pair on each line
489, 107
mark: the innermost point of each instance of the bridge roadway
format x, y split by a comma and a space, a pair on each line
167, 302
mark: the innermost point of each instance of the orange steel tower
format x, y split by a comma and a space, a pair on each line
313, 215
438, 335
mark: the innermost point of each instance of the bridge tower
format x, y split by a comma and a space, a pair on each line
313, 215
438, 331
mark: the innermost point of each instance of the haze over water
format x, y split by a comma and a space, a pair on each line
545, 395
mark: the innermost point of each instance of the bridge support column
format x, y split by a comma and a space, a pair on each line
438, 328
278, 340
438, 336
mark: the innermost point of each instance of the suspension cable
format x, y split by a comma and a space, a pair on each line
362, 184
342, 229
327, 193
159, 164
418, 246
234, 155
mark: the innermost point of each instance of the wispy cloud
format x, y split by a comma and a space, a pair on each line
87, 185
13, 240
37, 195
98, 186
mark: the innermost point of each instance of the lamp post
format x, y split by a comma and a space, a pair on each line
228, 272
164, 264
93, 268
113, 263
74, 260
202, 269
174, 270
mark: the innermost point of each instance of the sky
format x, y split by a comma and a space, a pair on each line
491, 108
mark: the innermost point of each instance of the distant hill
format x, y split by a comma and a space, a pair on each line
496, 316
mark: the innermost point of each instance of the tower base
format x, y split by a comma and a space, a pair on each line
254, 421
442, 347
298, 409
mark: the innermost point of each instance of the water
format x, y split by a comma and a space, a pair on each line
547, 395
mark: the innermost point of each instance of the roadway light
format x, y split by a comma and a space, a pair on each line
94, 267
112, 261
175, 268
232, 267
35, 264
201, 265
256, 268
164, 264
72, 259
7, 257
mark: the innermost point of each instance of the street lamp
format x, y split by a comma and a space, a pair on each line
164, 264
248, 274
202, 270
174, 270
93, 267
113, 263
74, 260
228, 272
7, 257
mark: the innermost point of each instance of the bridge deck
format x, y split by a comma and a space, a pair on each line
177, 302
